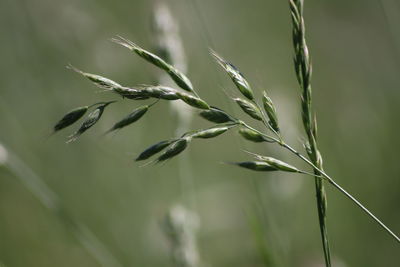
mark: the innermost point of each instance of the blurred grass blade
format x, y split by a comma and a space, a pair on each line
49, 199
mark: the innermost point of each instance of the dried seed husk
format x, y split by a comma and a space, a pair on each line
271, 111
98, 80
179, 78
255, 165
278, 164
70, 118
216, 115
174, 149
252, 135
237, 78
91, 120
154, 149
210, 133
249, 108
134, 116
193, 101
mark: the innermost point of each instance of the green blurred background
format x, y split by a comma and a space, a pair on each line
355, 47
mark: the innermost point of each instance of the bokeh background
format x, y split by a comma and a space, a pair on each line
109, 210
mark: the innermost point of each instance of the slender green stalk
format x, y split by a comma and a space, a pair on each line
303, 69
325, 176
347, 194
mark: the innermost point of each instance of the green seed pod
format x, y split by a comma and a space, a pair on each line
91, 120
216, 115
132, 93
136, 97
154, 149
249, 108
278, 164
98, 80
271, 111
251, 135
255, 165
210, 133
174, 149
179, 78
162, 92
70, 118
193, 101
236, 76
131, 118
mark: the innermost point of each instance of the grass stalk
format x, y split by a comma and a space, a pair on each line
303, 70
322, 175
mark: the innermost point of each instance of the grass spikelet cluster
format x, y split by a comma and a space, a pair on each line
261, 109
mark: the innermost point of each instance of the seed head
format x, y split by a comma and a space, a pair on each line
278, 164
179, 78
161, 92
255, 165
271, 111
252, 135
174, 149
249, 108
98, 80
70, 118
132, 93
154, 149
193, 101
236, 76
211, 132
216, 115
91, 120
134, 116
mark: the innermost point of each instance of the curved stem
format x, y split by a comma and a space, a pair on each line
342, 190
327, 178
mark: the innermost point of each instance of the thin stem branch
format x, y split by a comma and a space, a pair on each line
342, 190
326, 177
